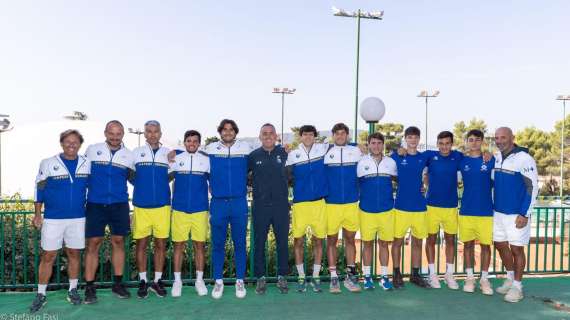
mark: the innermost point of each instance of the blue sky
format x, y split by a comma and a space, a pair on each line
191, 63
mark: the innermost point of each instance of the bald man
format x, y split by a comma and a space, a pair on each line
107, 205
515, 190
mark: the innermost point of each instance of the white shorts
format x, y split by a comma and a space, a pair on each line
56, 232
504, 229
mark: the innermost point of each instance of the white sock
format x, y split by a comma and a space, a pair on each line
450, 267
157, 276
42, 288
431, 268
469, 272
333, 272
177, 277
517, 284
484, 275
142, 276
301, 270
384, 271
511, 275
73, 284
366, 270
219, 281
199, 275
239, 281
316, 270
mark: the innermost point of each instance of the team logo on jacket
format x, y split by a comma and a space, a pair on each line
484, 167
331, 156
55, 168
99, 152
143, 154
219, 148
435, 158
181, 164
404, 162
366, 168
466, 168
297, 156
278, 159
258, 162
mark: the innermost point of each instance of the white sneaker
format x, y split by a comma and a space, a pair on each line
201, 288
218, 290
434, 281
514, 295
469, 285
486, 287
240, 290
505, 287
176, 289
449, 279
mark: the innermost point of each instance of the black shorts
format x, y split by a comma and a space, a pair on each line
99, 216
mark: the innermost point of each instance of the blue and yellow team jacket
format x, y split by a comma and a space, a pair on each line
340, 163
515, 182
376, 192
308, 171
190, 191
228, 169
151, 183
63, 194
109, 173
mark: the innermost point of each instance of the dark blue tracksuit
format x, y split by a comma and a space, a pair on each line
270, 205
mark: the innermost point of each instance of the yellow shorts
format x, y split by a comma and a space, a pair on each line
446, 217
381, 223
416, 221
476, 228
309, 214
195, 223
155, 221
342, 216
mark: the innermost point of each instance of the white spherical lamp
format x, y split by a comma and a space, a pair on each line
372, 109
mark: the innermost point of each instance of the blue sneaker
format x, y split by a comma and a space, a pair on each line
368, 283
385, 283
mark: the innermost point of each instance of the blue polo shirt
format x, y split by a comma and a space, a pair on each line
409, 196
477, 199
442, 174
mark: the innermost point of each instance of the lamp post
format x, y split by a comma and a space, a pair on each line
374, 15
283, 92
138, 132
425, 94
563, 99
4, 127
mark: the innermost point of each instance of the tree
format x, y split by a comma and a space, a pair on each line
393, 134
210, 140
460, 129
553, 168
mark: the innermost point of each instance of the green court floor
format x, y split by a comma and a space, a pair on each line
408, 303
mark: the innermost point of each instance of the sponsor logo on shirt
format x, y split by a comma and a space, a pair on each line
527, 170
